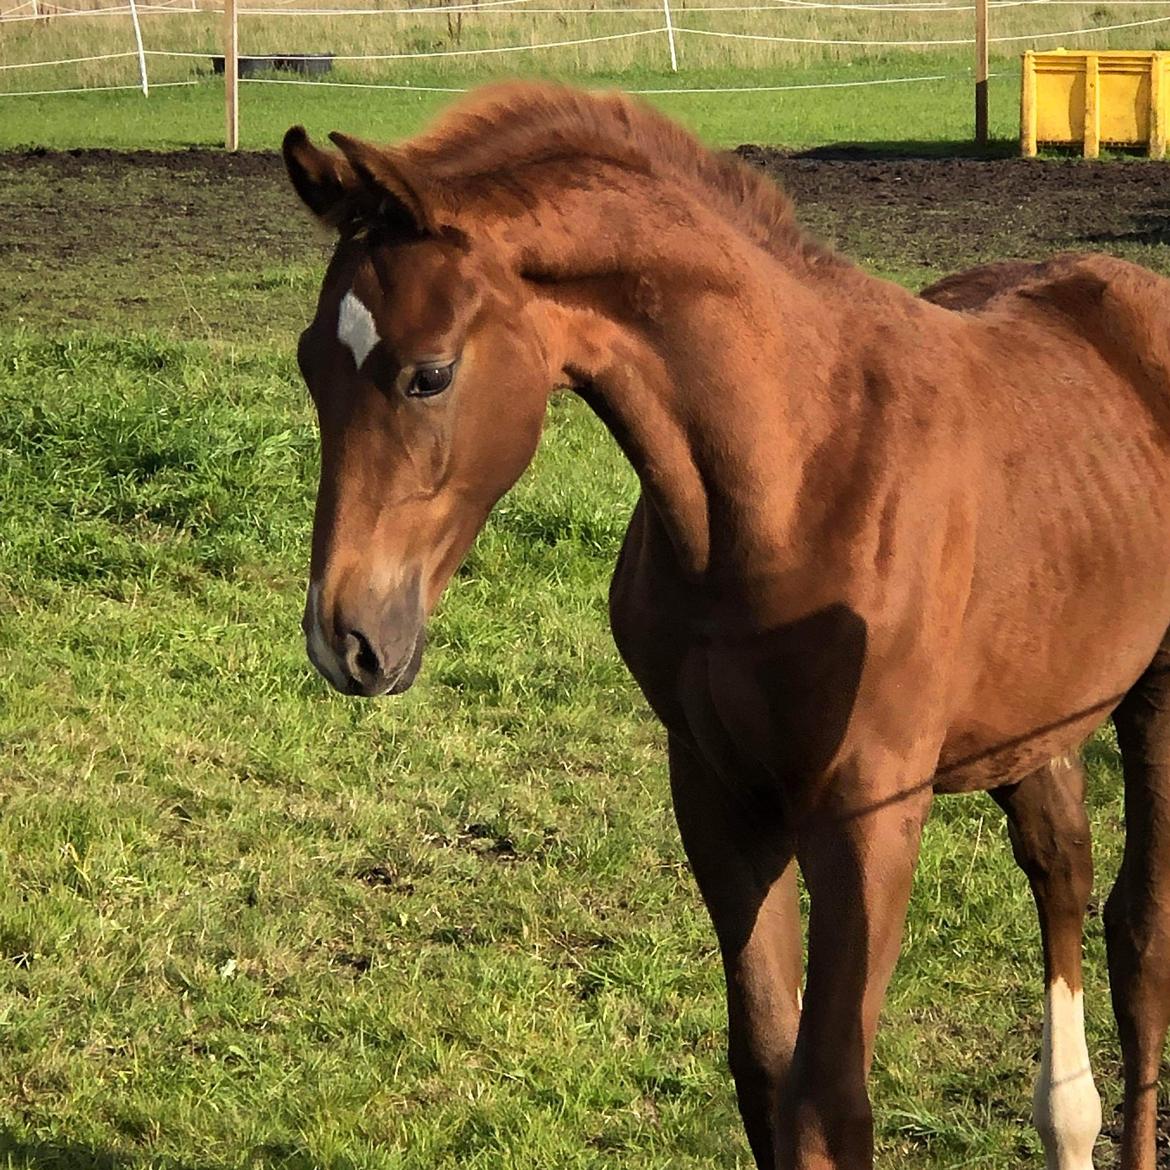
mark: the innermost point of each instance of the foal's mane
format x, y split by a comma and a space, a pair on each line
506, 128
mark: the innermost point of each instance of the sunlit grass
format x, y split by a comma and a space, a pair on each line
438, 52
245, 922
172, 118
442, 45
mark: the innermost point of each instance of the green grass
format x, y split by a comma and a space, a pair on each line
812, 47
247, 923
928, 112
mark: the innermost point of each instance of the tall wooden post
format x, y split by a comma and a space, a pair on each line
231, 74
981, 72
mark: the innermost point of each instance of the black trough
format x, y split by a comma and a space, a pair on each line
308, 63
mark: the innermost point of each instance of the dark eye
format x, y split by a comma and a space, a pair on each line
430, 380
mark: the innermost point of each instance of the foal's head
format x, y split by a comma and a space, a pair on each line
430, 383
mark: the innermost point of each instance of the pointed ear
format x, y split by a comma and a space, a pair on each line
403, 196
322, 178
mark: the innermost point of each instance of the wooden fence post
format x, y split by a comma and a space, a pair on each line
231, 74
981, 72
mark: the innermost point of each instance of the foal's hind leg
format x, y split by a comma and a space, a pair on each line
1050, 839
1137, 915
743, 861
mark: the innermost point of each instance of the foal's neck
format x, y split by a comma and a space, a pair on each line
705, 353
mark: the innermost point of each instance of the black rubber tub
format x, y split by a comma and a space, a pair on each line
311, 64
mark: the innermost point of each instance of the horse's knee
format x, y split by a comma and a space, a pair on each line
1137, 944
758, 1062
1051, 839
760, 1072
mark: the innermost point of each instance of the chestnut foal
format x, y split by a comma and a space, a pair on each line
884, 549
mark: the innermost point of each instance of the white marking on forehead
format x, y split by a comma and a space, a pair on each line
356, 328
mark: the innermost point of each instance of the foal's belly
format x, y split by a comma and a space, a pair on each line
977, 757
1063, 618
1029, 692
1022, 689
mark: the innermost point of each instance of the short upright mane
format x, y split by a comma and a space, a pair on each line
514, 125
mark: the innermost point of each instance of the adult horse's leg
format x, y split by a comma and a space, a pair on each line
742, 858
858, 862
1137, 914
1050, 839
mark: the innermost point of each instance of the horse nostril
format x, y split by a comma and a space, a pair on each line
360, 656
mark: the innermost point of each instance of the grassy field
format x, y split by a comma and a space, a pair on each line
817, 48
247, 923
174, 118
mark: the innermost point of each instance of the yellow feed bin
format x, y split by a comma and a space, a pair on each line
1095, 98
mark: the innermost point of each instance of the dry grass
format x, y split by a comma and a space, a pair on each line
461, 34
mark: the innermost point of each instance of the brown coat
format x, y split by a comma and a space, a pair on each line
885, 547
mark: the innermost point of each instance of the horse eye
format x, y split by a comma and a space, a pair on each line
430, 380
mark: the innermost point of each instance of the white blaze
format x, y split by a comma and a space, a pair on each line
356, 328
1065, 1106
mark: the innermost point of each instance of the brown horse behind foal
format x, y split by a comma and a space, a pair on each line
884, 549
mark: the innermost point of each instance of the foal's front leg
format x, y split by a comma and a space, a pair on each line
858, 861
742, 858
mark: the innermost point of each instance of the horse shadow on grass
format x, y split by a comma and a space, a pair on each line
17, 1153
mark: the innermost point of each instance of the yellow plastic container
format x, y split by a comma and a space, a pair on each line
1095, 98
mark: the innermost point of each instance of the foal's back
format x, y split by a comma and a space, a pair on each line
1074, 503
1119, 307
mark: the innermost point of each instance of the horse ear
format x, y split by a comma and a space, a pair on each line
403, 196
323, 179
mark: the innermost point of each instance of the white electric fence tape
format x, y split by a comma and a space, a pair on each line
516, 8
